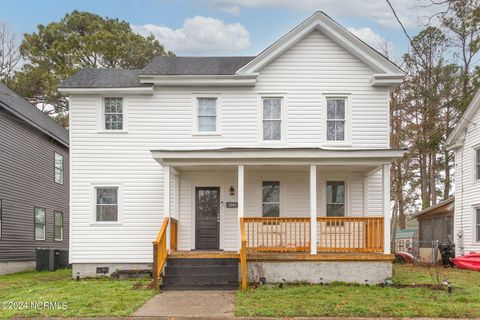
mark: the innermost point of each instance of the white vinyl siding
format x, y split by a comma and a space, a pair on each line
113, 113
40, 221
58, 160
272, 118
304, 74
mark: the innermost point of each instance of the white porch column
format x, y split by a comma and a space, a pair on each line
386, 207
241, 198
166, 198
313, 209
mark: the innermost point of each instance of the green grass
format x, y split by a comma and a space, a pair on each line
85, 298
339, 299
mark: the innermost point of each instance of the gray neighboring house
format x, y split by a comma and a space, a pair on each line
34, 183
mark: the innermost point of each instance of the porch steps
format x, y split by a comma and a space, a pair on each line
200, 274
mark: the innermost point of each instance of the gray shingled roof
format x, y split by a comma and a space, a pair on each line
103, 78
195, 65
23, 109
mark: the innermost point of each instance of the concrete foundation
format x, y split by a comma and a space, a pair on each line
16, 266
89, 270
371, 272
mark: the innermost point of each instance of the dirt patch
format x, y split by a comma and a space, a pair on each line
415, 285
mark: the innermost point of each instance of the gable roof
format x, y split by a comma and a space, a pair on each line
465, 120
195, 65
17, 105
321, 21
442, 206
103, 78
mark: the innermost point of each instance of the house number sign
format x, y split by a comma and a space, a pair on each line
232, 205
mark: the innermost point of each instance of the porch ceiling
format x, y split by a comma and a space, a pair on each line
277, 156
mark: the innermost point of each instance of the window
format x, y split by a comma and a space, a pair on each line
272, 118
336, 119
39, 223
271, 199
113, 113
477, 164
335, 198
207, 114
107, 204
58, 230
58, 168
478, 224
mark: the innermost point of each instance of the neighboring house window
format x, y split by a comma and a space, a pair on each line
272, 118
58, 230
58, 168
336, 121
271, 199
335, 198
477, 164
478, 224
107, 204
113, 113
39, 223
207, 114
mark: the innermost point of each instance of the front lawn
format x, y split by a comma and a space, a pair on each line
340, 299
85, 298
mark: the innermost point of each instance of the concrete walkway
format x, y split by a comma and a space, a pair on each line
189, 304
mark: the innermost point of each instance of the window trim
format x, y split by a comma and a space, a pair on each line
101, 115
279, 197
93, 216
348, 120
55, 168
218, 109
476, 164
283, 126
54, 226
35, 224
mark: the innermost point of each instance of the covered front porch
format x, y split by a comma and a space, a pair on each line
271, 204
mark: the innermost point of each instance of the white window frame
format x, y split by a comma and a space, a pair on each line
93, 216
101, 115
35, 224
348, 120
284, 125
55, 154
55, 225
279, 196
218, 108
476, 164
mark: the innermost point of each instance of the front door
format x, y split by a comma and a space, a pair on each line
207, 212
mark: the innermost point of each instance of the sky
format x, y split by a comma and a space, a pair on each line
230, 27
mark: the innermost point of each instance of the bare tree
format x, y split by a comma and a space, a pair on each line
9, 53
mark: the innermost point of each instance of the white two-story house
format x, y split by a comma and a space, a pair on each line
465, 141
279, 162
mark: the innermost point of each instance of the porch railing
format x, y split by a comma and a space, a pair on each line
334, 234
160, 248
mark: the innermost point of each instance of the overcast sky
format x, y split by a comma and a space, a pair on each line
230, 27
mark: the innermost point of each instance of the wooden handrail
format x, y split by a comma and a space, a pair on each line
173, 234
160, 252
243, 255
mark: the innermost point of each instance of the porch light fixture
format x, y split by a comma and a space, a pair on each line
232, 191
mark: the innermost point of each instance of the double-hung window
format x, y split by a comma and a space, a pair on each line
58, 168
335, 198
39, 223
106, 204
477, 164
336, 119
113, 113
272, 119
207, 115
271, 199
58, 227
477, 211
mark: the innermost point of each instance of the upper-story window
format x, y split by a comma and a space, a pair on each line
336, 119
477, 164
113, 113
272, 119
207, 115
58, 168
39, 223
